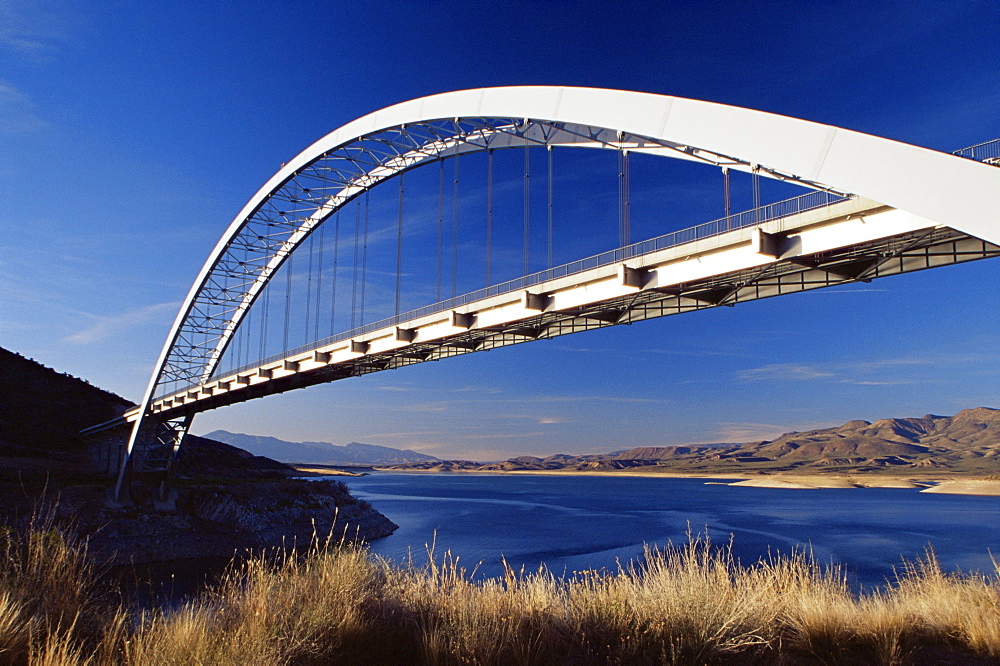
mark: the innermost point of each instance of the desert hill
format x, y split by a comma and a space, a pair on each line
228, 499
968, 442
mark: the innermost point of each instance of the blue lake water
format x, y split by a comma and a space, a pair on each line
573, 523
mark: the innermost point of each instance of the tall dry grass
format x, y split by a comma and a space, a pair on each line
689, 604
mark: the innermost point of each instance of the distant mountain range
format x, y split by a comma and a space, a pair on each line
321, 453
968, 442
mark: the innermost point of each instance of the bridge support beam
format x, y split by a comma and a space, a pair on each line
144, 474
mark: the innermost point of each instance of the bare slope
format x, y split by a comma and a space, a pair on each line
968, 442
228, 498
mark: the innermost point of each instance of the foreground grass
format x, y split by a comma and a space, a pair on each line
688, 604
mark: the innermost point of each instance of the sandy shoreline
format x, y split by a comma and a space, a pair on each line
938, 484
308, 470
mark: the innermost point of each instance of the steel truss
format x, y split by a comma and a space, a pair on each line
915, 251
316, 191
267, 235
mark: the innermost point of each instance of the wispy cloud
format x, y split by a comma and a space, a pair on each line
478, 389
862, 382
417, 433
32, 30
18, 112
860, 372
425, 407
505, 435
784, 371
104, 327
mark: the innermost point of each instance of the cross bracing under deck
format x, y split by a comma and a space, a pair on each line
636, 287
923, 209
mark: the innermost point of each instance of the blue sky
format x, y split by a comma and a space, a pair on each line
132, 132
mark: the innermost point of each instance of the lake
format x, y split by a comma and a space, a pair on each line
574, 523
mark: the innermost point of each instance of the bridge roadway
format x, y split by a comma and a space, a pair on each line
851, 240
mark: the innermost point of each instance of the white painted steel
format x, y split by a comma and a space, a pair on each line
842, 225
942, 188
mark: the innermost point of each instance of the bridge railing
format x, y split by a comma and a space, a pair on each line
749, 218
987, 151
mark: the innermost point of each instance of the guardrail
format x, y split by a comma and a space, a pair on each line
749, 218
987, 151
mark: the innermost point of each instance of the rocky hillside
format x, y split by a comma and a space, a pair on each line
228, 499
41, 414
968, 442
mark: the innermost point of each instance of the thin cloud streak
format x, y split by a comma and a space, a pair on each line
784, 371
855, 372
18, 112
105, 327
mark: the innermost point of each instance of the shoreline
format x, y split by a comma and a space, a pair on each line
938, 484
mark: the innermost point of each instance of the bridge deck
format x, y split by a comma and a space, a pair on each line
848, 241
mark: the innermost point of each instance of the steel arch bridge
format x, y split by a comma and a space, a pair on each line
877, 207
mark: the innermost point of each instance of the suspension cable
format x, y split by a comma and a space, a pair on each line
247, 329
319, 281
239, 335
333, 287
527, 207
246, 325
265, 315
364, 264
399, 244
489, 216
309, 284
440, 237
756, 192
549, 148
454, 233
725, 195
288, 299
624, 203
354, 280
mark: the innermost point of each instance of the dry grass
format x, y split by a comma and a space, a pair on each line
691, 604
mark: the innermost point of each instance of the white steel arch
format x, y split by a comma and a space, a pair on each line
952, 191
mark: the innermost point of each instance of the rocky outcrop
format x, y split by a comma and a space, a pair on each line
227, 500
224, 520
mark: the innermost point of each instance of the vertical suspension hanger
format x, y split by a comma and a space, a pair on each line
399, 243
755, 168
627, 204
489, 216
265, 315
354, 277
319, 280
527, 204
246, 325
727, 207
364, 264
309, 282
333, 286
454, 232
288, 299
621, 193
440, 237
549, 151
238, 334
